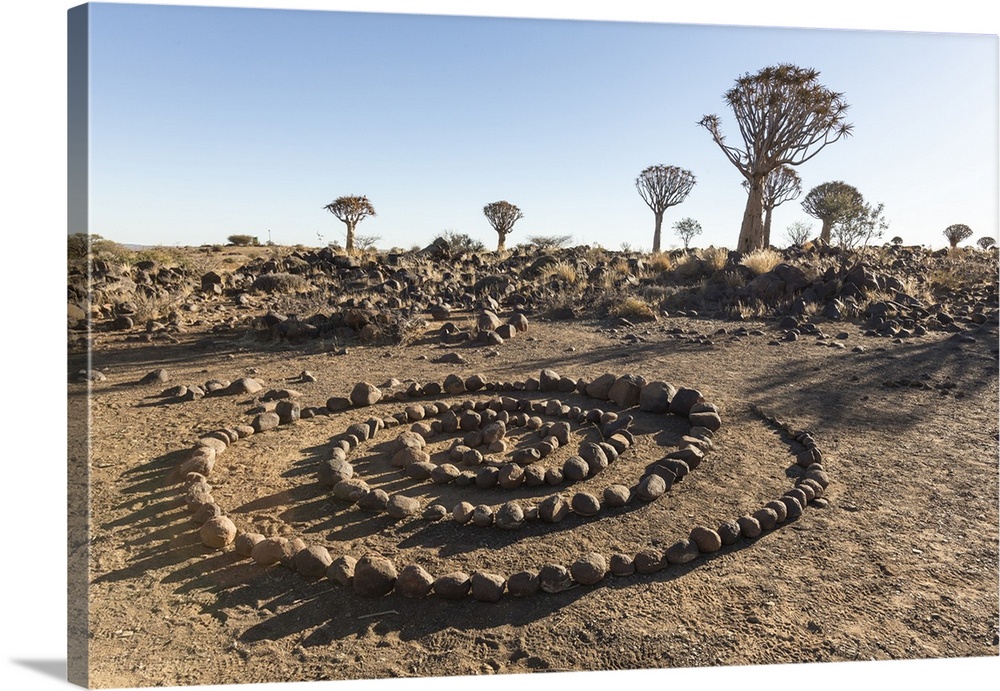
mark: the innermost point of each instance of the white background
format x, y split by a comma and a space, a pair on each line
33, 169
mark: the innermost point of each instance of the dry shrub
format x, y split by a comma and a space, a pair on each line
562, 270
660, 262
715, 258
761, 261
689, 266
632, 308
279, 283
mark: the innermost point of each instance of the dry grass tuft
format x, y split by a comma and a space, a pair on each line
715, 258
660, 262
560, 271
279, 283
633, 308
761, 261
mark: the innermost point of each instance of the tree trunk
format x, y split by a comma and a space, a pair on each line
824, 234
349, 243
752, 230
767, 226
656, 231
502, 241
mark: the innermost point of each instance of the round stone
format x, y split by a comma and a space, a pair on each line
271, 550
554, 476
462, 513
333, 471
706, 539
487, 477
819, 476
585, 504
534, 476
400, 506
350, 490
589, 569
779, 508
729, 532
510, 516
408, 455
445, 473
749, 527
245, 542
414, 581
511, 476
341, 570
365, 394
523, 583
482, 516
374, 576
553, 509
420, 470
472, 457
453, 586
374, 500
435, 512
792, 505
554, 578
648, 561
682, 552
217, 532
575, 469
616, 496
487, 587
622, 565
799, 494
313, 561
651, 487
766, 517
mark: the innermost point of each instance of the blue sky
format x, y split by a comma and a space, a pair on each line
207, 122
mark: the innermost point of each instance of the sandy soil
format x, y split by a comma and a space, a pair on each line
901, 564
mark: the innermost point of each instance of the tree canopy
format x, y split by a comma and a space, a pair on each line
661, 187
830, 202
351, 210
785, 118
956, 233
502, 215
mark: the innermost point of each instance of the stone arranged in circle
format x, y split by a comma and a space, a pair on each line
374, 576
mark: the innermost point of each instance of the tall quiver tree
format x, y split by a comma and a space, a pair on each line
831, 203
782, 184
351, 211
662, 187
502, 216
785, 117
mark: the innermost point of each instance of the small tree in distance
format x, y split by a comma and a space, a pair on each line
986, 242
956, 233
687, 229
550, 242
798, 232
831, 202
860, 227
243, 240
662, 187
502, 215
350, 211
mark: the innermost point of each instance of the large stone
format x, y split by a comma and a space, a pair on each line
487, 587
601, 387
333, 471
217, 532
400, 506
374, 576
655, 397
626, 390
548, 380
684, 400
585, 504
682, 552
365, 394
414, 581
651, 487
553, 509
313, 561
523, 583
589, 569
453, 586
510, 516
554, 578
706, 539
341, 570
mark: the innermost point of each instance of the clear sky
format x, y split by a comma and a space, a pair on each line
207, 122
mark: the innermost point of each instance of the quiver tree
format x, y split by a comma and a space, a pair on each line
956, 233
502, 216
785, 118
781, 185
662, 187
986, 242
350, 210
832, 202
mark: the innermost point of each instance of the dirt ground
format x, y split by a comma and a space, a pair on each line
901, 564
